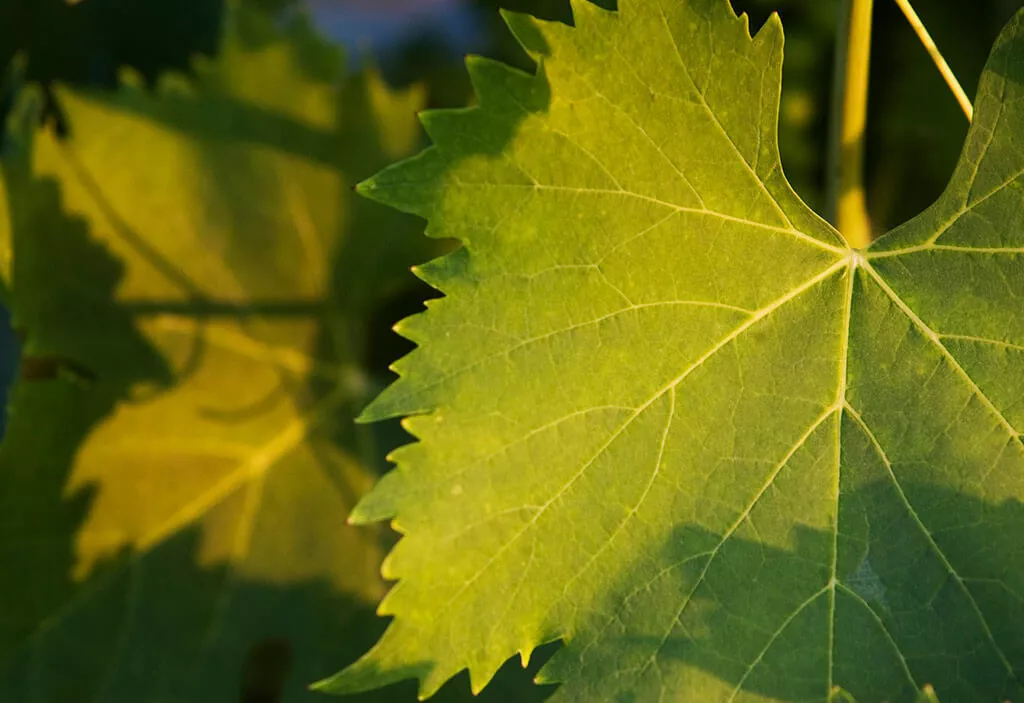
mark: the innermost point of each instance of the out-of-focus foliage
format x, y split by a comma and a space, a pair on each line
196, 284
86, 42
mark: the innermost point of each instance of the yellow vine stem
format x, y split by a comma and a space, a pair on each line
846, 204
940, 62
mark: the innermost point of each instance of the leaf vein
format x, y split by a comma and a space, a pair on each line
643, 496
725, 341
771, 641
983, 340
678, 208
936, 340
929, 539
769, 482
627, 64
548, 335
716, 121
885, 631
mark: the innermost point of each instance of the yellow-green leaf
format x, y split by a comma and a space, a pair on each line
666, 416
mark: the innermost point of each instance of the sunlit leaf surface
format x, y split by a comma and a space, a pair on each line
667, 416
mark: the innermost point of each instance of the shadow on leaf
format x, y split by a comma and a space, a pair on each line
733, 616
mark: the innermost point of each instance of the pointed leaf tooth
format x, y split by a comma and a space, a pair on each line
481, 675
433, 276
447, 273
437, 677
504, 90
772, 28
381, 503
397, 527
527, 31
530, 647
447, 128
546, 677
410, 186
401, 454
402, 397
392, 403
585, 11
419, 425
381, 666
556, 669
390, 573
744, 20
413, 328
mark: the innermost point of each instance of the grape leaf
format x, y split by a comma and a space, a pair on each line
194, 278
665, 415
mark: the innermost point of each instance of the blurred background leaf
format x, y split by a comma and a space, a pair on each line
194, 280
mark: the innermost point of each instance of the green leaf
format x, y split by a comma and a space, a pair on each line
195, 281
667, 417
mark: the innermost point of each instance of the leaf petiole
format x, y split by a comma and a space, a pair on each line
846, 206
940, 62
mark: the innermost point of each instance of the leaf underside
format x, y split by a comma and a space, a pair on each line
665, 415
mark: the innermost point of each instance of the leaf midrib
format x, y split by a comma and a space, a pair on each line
850, 264
536, 185
764, 313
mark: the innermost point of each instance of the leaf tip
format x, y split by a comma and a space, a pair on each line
526, 31
367, 416
473, 62
772, 28
320, 686
366, 188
